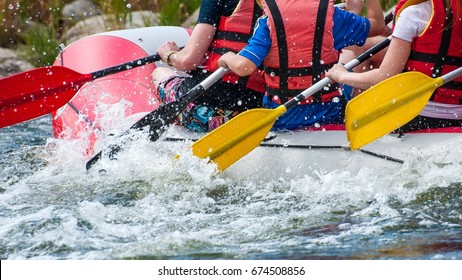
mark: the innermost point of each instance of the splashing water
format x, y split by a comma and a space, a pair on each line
146, 204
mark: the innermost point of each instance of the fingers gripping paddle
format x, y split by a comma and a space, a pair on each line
166, 114
38, 92
237, 137
389, 105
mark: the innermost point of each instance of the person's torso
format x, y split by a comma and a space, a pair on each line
437, 50
302, 47
232, 34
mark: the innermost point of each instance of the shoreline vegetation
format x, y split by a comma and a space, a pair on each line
34, 28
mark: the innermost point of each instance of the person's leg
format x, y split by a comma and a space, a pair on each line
161, 73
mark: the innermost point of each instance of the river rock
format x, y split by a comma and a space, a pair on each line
98, 24
11, 64
79, 10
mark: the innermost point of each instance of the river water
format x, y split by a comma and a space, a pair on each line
144, 207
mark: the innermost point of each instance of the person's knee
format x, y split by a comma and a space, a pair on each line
160, 73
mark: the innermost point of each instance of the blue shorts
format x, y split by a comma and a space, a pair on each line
304, 115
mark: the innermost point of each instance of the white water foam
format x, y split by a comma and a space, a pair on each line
149, 204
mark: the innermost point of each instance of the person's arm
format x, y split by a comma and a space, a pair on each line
375, 16
192, 54
393, 63
406, 29
240, 65
252, 55
190, 57
354, 6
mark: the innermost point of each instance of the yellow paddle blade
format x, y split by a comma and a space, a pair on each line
236, 138
387, 106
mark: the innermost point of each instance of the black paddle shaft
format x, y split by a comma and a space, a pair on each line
350, 65
125, 66
157, 120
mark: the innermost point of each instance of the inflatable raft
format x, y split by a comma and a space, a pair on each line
129, 95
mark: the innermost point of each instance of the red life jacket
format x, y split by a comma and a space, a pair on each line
232, 34
302, 48
436, 52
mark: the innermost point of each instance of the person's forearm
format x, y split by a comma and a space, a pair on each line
354, 6
375, 16
192, 54
186, 60
237, 64
393, 63
363, 80
242, 66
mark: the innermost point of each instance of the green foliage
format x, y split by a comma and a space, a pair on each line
40, 45
2, 30
174, 12
119, 9
387, 4
36, 26
32, 26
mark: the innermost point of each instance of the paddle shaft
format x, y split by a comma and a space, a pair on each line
326, 80
40, 91
72, 79
350, 65
452, 75
164, 115
236, 138
125, 66
156, 120
167, 113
